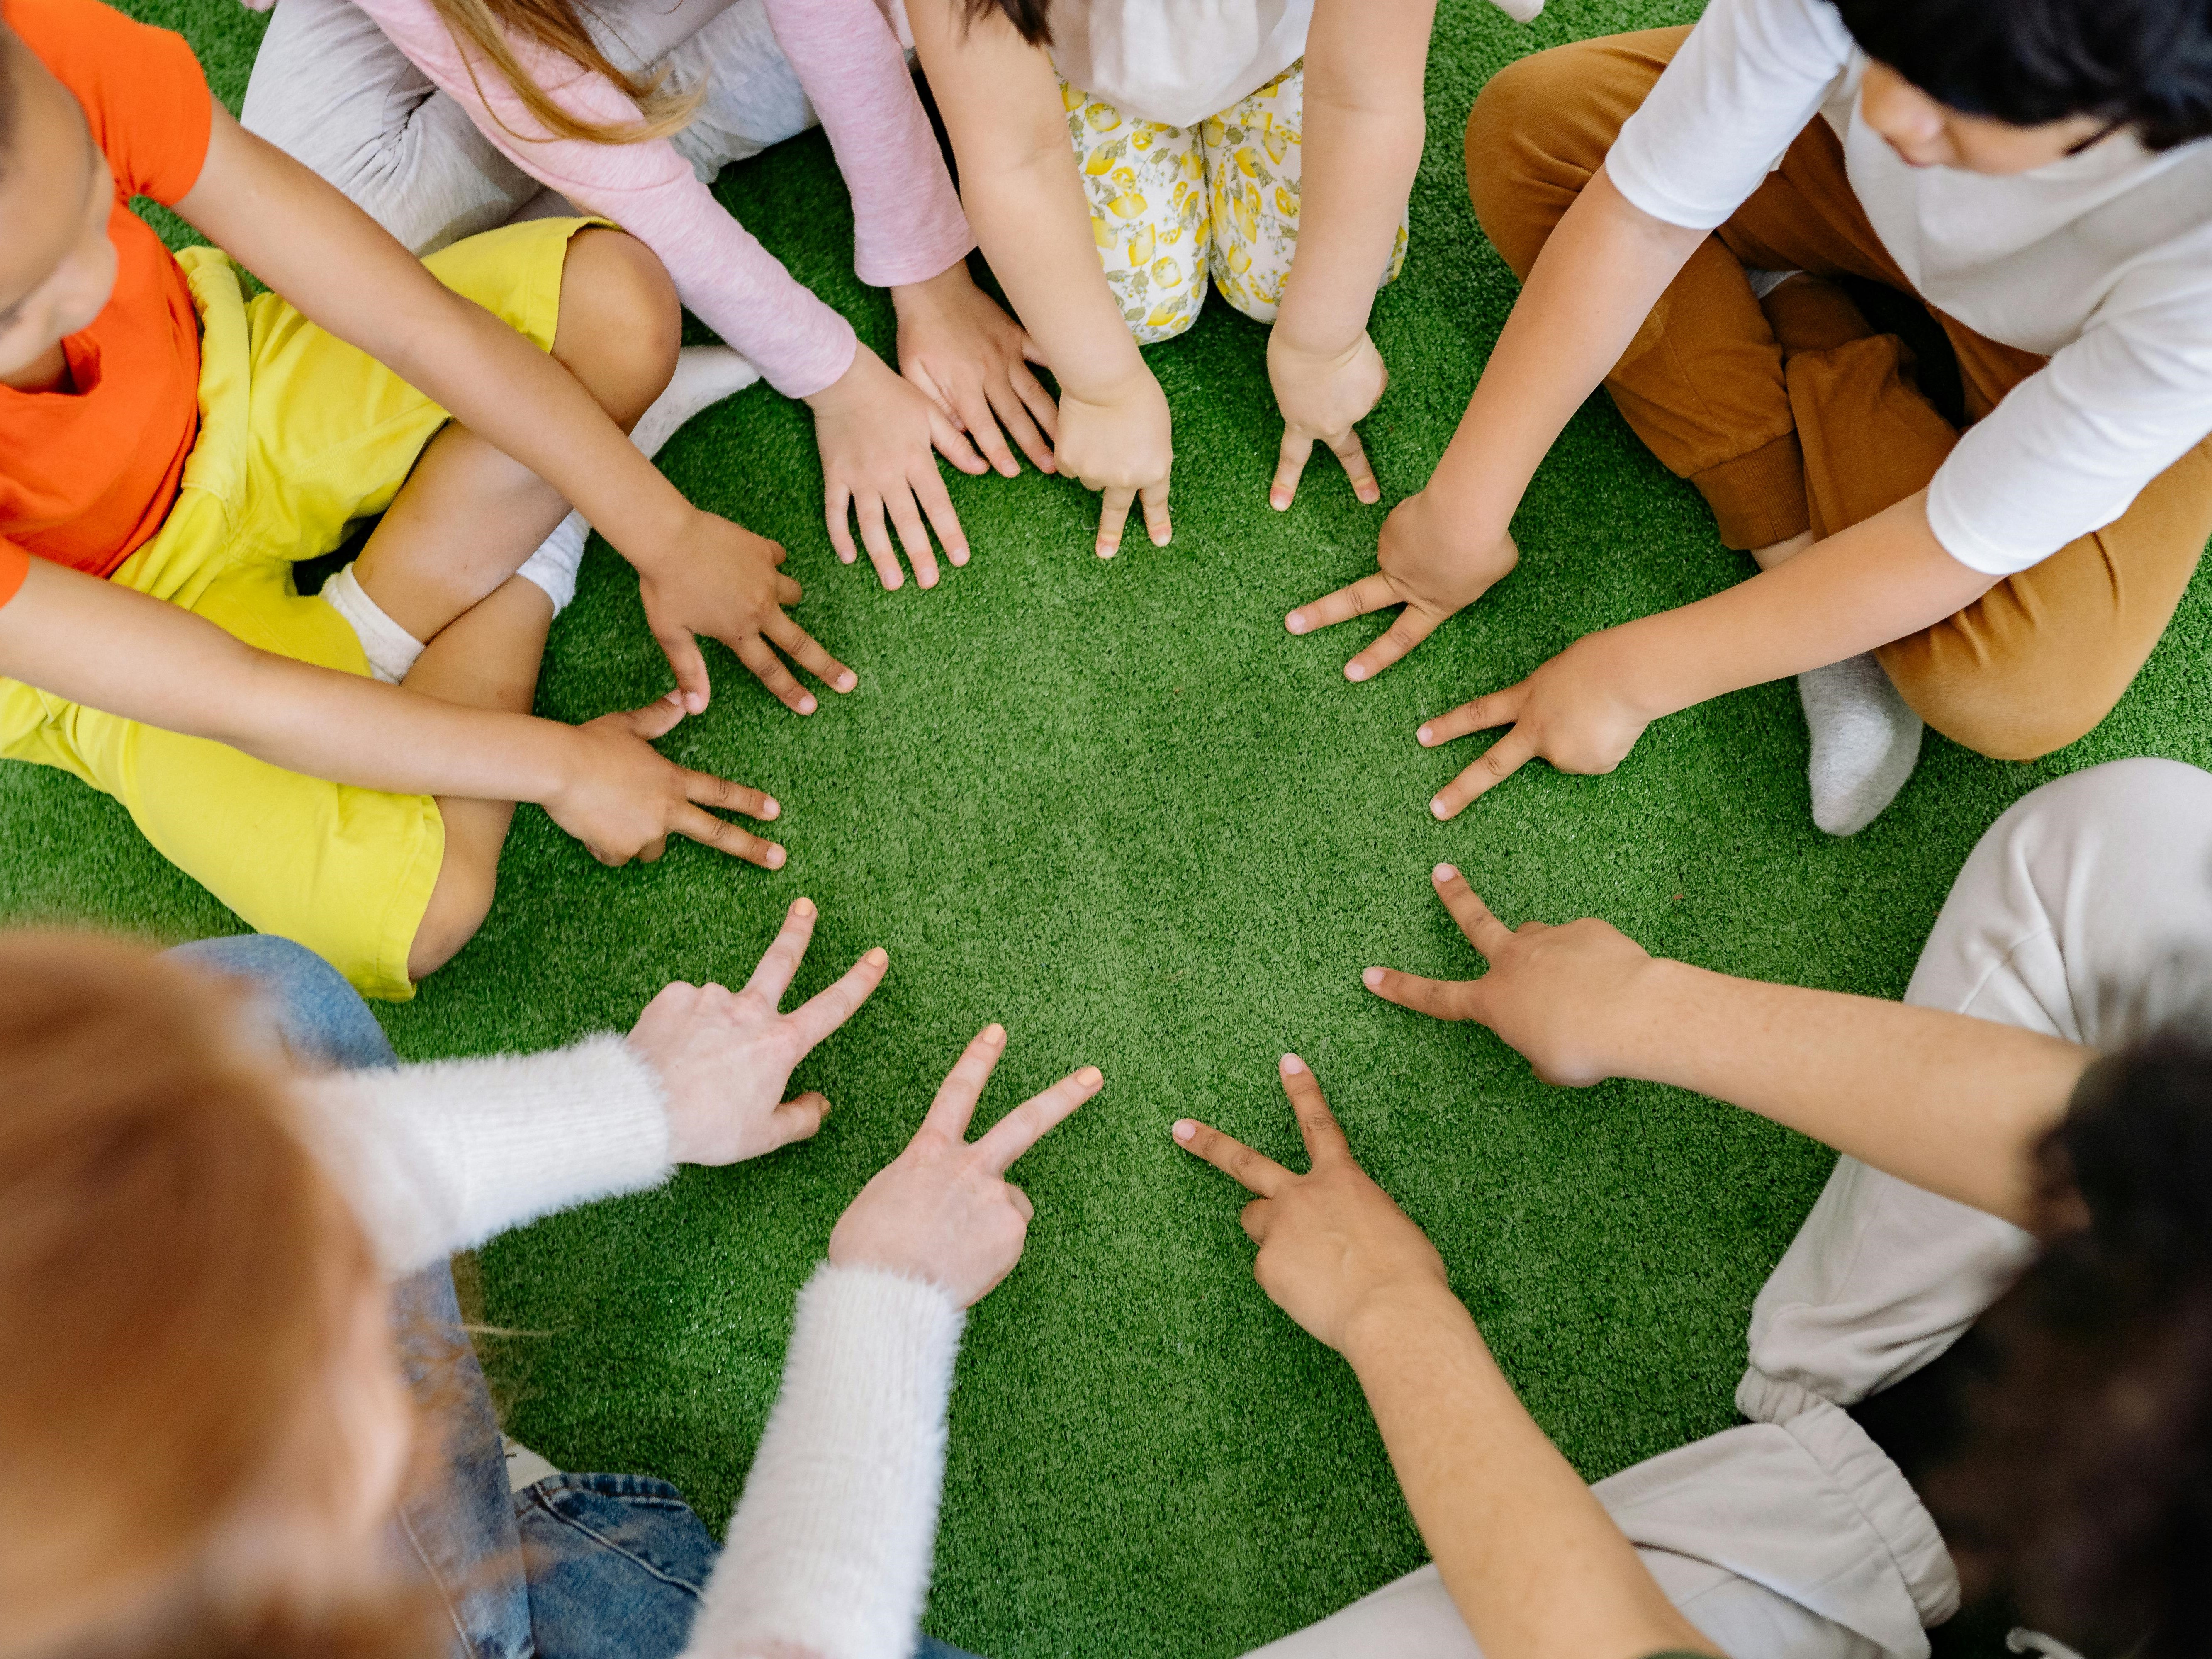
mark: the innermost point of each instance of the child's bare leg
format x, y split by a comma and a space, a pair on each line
441, 564
469, 515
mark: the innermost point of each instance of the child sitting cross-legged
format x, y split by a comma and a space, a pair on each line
167, 450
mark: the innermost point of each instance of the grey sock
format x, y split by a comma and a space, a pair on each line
1865, 742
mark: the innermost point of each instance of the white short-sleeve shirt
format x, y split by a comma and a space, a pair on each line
1175, 61
2101, 261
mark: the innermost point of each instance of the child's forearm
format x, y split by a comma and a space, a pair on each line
1024, 199
1606, 265
1881, 579
1946, 1102
1362, 131
1534, 1564
164, 666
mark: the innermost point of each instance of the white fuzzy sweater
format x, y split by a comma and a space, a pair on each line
827, 1556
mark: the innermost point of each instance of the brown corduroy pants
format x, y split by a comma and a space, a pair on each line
1798, 415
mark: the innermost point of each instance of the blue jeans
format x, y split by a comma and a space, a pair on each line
578, 1566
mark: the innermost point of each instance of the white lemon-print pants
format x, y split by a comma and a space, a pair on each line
1175, 208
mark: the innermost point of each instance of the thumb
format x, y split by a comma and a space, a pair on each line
690, 666
800, 1119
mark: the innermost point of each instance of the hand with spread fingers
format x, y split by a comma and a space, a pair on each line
1322, 399
728, 584
1333, 1248
624, 798
879, 436
723, 1057
943, 1210
1426, 561
1570, 998
1123, 447
960, 349
1574, 712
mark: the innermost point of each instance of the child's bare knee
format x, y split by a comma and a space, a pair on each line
621, 321
459, 904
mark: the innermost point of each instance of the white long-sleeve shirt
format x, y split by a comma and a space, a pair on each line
829, 1553
2101, 261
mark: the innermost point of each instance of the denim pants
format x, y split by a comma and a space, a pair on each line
577, 1566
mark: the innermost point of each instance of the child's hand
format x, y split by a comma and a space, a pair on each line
722, 580
1123, 446
1576, 711
724, 1057
1426, 562
970, 359
875, 433
1566, 998
943, 1209
1333, 1248
622, 799
1320, 398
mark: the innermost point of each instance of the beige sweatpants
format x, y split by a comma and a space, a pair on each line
1795, 1536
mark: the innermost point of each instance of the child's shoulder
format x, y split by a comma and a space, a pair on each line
141, 89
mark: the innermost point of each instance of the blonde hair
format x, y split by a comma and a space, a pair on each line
482, 28
178, 1278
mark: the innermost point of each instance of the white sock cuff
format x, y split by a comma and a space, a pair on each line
553, 566
389, 648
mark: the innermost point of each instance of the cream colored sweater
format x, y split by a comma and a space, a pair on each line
827, 1556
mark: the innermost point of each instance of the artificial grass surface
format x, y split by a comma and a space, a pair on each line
1117, 807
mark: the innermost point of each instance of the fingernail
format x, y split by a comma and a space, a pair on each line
1371, 495
995, 1033
775, 858
1293, 1065
1090, 1077
1184, 1129
927, 579
1437, 807
806, 703
895, 583
1277, 499
960, 553
1355, 670
696, 702
1371, 978
877, 957
675, 698
802, 906
1163, 538
770, 810
846, 558
848, 680
1296, 622
1427, 734
1106, 552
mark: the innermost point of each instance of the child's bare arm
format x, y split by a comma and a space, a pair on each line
698, 573
1000, 101
110, 648
1365, 66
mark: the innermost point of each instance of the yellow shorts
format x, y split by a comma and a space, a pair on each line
299, 435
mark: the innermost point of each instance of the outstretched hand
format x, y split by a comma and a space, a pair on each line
723, 1057
958, 347
1568, 998
624, 798
943, 1209
1574, 712
1333, 1248
1424, 563
1321, 400
728, 584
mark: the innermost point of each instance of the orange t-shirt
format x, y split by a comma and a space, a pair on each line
86, 476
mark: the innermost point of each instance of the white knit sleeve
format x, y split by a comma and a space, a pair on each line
437, 1158
829, 1554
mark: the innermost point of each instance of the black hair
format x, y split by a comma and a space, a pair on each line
2143, 64
1029, 18
2084, 1488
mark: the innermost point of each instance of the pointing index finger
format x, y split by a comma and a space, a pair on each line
1317, 1124
1253, 1170
1476, 920
963, 1087
1027, 1124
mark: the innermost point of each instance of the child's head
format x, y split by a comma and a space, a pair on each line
2086, 1486
205, 1427
2002, 86
56, 264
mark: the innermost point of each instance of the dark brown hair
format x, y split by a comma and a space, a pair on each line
1031, 18
2085, 1487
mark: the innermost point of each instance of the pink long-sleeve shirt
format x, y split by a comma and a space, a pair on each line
908, 225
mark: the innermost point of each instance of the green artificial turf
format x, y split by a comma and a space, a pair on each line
1117, 807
